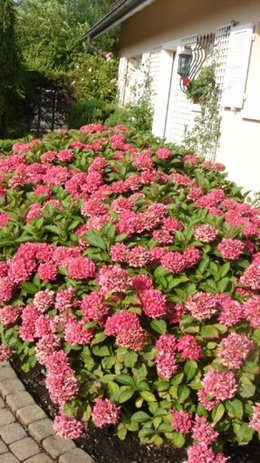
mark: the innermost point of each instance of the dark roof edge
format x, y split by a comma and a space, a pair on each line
116, 16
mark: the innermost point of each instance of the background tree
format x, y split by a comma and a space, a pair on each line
50, 34
10, 67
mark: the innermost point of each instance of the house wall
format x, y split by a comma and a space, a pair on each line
167, 22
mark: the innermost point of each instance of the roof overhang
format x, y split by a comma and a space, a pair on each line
119, 14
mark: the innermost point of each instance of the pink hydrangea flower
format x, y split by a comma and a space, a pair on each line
44, 252
251, 277
42, 190
21, 268
6, 289
5, 352
163, 153
67, 427
105, 412
62, 386
121, 320
231, 311
190, 158
119, 252
43, 300
81, 268
138, 257
65, 155
143, 161
113, 279
92, 307
9, 315
170, 225
142, 282
255, 419
92, 128
174, 312
181, 179
181, 421
3, 269
45, 347
251, 309
47, 272
231, 249
157, 253
65, 300
132, 338
234, 349
173, 261
34, 212
205, 233
22, 148
219, 386
195, 193
192, 256
4, 219
75, 334
43, 326
58, 362
201, 305
162, 236
29, 317
48, 156
153, 303
201, 453
189, 348
203, 432
211, 199
165, 360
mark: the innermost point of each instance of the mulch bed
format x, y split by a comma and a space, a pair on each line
105, 447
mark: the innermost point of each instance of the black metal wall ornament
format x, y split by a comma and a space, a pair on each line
191, 59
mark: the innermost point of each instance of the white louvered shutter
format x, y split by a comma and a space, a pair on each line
237, 66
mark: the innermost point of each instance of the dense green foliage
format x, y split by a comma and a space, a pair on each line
10, 68
130, 272
87, 111
49, 35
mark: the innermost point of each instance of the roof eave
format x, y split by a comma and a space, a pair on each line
116, 16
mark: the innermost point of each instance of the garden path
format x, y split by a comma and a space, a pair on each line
26, 434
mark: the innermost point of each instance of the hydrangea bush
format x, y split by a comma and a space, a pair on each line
129, 270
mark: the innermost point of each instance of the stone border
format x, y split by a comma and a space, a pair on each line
26, 432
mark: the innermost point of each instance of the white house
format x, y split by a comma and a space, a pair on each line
157, 32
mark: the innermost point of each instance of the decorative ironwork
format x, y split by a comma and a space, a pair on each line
199, 54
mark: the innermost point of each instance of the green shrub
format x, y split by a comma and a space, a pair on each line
87, 112
137, 116
130, 272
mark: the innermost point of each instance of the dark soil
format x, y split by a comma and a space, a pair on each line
105, 447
